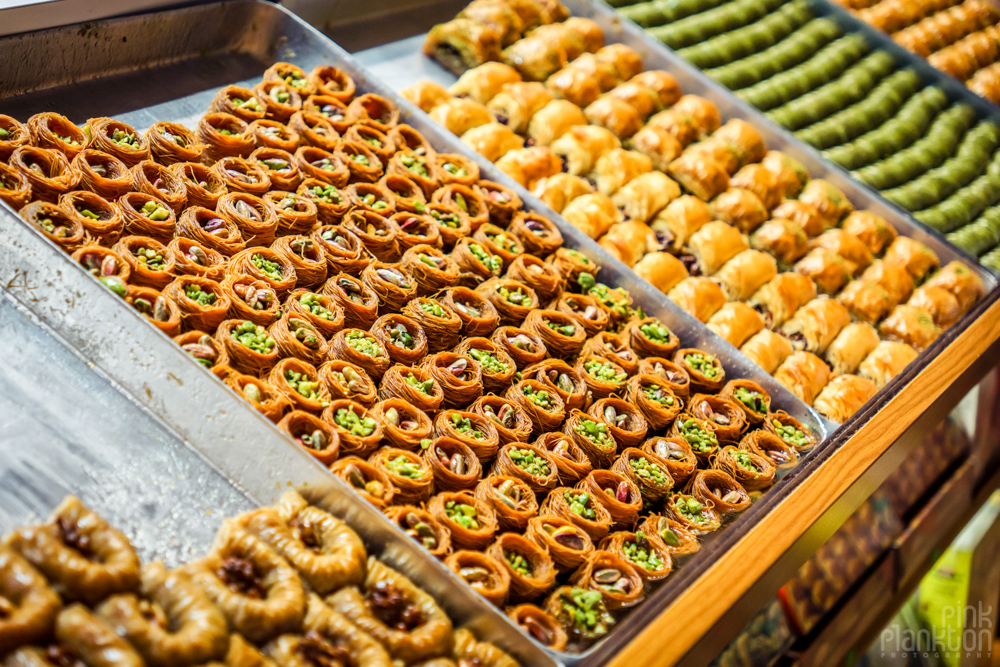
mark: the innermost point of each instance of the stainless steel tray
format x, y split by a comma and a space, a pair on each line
113, 67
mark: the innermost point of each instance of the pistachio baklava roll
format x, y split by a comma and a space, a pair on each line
625, 422
483, 574
330, 81
366, 480
475, 262
202, 302
15, 134
538, 235
647, 554
160, 181
705, 370
160, 311
146, 215
718, 490
347, 380
671, 375
299, 383
580, 612
511, 500
100, 218
430, 269
614, 348
567, 544
274, 135
524, 347
500, 243
105, 265
646, 471
770, 447
320, 310
561, 334
676, 454
251, 299
692, 514
699, 434
403, 339
586, 310
118, 139
440, 324
678, 540
312, 434
416, 229
470, 520
790, 430
513, 301
531, 569
654, 399
408, 195
378, 141
359, 432
544, 407
454, 465
593, 436
48, 172
223, 135
411, 475
56, 132
498, 368
752, 471
204, 187
459, 376
361, 348
616, 580
528, 463
616, 492
470, 428
322, 165
149, 262
261, 395
15, 191
404, 425
238, 101
749, 397
414, 385
358, 300
331, 204
82, 556
343, 250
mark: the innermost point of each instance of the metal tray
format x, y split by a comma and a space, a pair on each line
113, 68
955, 90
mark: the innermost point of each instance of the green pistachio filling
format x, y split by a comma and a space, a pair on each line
753, 400
405, 467
579, 504
455, 169
503, 241
302, 385
656, 393
150, 258
585, 610
541, 398
374, 202
270, 269
350, 420
326, 194
790, 434
656, 332
446, 218
642, 554
434, 308
564, 329
254, 337
154, 211
424, 387
517, 297
250, 104
464, 426
400, 336
464, 515
363, 343
491, 262
415, 164
691, 509
744, 461
488, 361
604, 371
124, 139
596, 432
275, 164
700, 440
90, 215
4, 134
68, 140
362, 159
199, 296
647, 471
530, 462
615, 299
702, 363
312, 304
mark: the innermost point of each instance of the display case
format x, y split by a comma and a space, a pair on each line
108, 69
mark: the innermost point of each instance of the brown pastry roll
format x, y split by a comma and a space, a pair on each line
454, 465
408, 195
101, 219
251, 299
647, 472
593, 214
80, 554
866, 301
843, 396
846, 245
939, 302
961, 281
204, 186
358, 430
516, 103
459, 115
346, 380
511, 500
911, 325
439, 322
647, 554
745, 274
891, 277
679, 220
571, 461
706, 372
274, 135
15, 190
625, 422
603, 377
854, 342
692, 514
202, 302
567, 544
16, 135
411, 476
719, 490
749, 397
736, 322
478, 315
662, 270
580, 508
658, 144
312, 162
391, 283
644, 100
872, 230
804, 374
677, 539
32, 607
430, 269
366, 480
48, 172
826, 268
463, 43
615, 114
740, 208
118, 139
62, 229
575, 85
581, 146
804, 214
699, 296
617, 581
561, 334
500, 243
816, 324
886, 362
146, 215
159, 310
616, 168
239, 102
770, 447
689, 119
426, 630
404, 426
593, 436
483, 574
280, 99
459, 375
614, 348
482, 83
299, 383
654, 399
476, 431
312, 434
831, 203
725, 416
497, 366
761, 181
714, 244
416, 229
492, 140
362, 349
221, 134
330, 81
645, 195
528, 463
792, 175
327, 634
319, 129
56, 132
531, 569
509, 419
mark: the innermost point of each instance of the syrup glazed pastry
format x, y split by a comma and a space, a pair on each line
30, 605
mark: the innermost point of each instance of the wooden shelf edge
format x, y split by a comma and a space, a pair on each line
704, 602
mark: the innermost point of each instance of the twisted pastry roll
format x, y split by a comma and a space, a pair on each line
511, 500
524, 347
15, 190
251, 299
603, 377
691, 514
146, 215
475, 262
328, 634
85, 639
790, 430
843, 396
770, 447
649, 337
260, 394
752, 471
537, 275
223, 135
281, 168
483, 574
455, 466
319, 310
297, 337
471, 429
509, 419
567, 544
32, 606
299, 383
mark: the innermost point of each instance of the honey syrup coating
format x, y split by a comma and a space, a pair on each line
28, 607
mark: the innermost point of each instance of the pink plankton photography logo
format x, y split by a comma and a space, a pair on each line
965, 632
